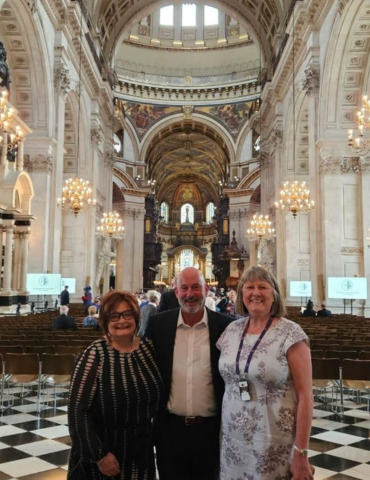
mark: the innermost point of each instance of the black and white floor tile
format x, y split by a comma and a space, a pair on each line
36, 446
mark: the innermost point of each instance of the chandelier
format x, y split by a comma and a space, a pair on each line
260, 228
77, 192
295, 198
5, 112
359, 144
111, 225
76, 196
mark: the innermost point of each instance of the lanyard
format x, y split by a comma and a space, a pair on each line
254, 348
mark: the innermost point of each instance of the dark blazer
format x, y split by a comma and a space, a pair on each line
168, 301
162, 330
64, 297
324, 313
63, 322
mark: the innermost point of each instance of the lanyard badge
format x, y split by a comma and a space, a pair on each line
243, 382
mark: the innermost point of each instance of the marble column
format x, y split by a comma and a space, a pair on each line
62, 87
16, 262
129, 270
24, 262
7, 277
3, 159
311, 85
20, 156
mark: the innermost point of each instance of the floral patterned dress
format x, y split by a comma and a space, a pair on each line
257, 436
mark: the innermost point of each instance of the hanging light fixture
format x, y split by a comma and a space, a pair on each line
360, 144
111, 226
368, 239
294, 196
260, 228
77, 193
6, 113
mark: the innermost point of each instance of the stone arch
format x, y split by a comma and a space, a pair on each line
346, 72
31, 72
19, 191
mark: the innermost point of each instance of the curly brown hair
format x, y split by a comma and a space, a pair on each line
110, 301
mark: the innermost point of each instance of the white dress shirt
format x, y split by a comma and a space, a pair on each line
192, 392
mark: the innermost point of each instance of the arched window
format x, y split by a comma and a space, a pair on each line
187, 213
164, 211
186, 259
210, 212
166, 16
189, 15
210, 16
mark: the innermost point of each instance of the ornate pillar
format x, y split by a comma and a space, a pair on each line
20, 156
129, 270
24, 262
16, 262
62, 87
365, 196
7, 278
3, 159
311, 85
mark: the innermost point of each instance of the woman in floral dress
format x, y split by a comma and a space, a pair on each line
267, 407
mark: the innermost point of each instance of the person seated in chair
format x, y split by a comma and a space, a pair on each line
309, 312
324, 312
64, 322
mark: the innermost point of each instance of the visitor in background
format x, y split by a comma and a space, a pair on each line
309, 311
91, 320
324, 312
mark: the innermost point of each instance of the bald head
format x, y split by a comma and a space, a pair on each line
191, 290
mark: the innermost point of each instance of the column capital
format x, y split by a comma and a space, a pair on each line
311, 80
96, 135
62, 80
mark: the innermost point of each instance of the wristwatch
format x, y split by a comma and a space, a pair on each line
302, 451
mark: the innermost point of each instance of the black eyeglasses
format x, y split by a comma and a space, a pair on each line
126, 315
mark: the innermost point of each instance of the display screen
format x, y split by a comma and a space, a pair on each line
71, 282
44, 283
347, 288
301, 289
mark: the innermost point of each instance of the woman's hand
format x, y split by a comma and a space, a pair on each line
301, 468
108, 465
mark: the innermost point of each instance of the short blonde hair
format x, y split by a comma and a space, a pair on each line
261, 274
91, 310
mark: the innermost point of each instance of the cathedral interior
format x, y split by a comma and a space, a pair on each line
141, 137
186, 120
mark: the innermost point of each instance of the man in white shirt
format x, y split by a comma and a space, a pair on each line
184, 339
210, 301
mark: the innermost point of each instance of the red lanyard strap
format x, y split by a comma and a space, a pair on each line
254, 348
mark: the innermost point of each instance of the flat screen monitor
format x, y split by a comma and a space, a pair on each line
71, 282
349, 288
301, 289
43, 283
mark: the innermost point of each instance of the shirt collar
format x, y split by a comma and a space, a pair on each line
203, 322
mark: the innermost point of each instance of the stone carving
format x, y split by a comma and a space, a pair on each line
33, 6
62, 81
104, 258
303, 261
265, 257
233, 30
352, 251
96, 136
39, 163
4, 69
109, 160
330, 165
144, 30
277, 138
188, 110
342, 5
237, 215
134, 213
311, 82
351, 165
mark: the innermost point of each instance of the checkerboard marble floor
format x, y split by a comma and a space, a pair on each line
36, 447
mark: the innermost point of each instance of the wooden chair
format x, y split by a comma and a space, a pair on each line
74, 350
10, 349
317, 354
364, 355
325, 378
341, 354
40, 349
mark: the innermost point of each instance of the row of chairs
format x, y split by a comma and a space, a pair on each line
55, 341
26, 369
349, 376
40, 349
341, 354
336, 346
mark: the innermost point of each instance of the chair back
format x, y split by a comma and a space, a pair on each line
22, 363
75, 349
341, 354
317, 354
40, 349
325, 368
57, 364
11, 349
364, 355
356, 369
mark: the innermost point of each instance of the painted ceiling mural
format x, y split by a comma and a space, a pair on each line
143, 116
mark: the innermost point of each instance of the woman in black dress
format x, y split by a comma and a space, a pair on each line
115, 394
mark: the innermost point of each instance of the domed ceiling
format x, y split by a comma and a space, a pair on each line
186, 154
